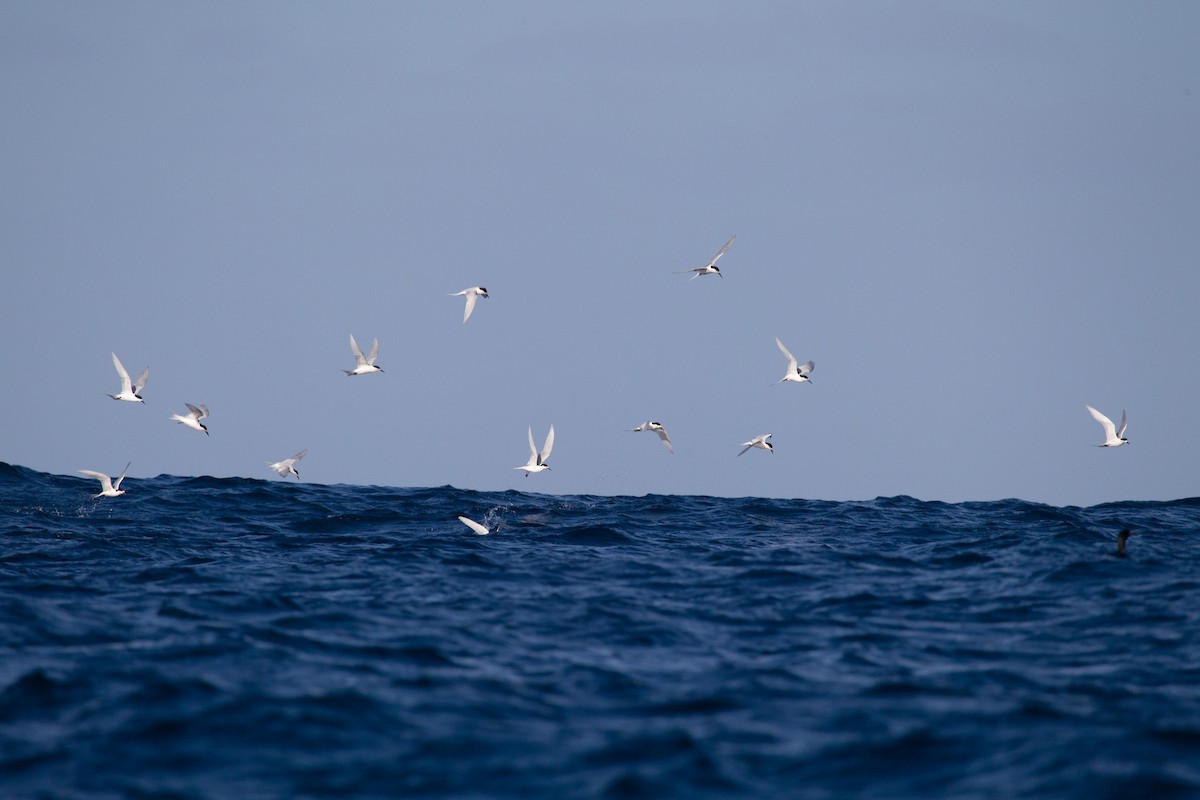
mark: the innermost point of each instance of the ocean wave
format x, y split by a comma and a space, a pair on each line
227, 637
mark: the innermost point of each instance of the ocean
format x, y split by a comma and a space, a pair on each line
235, 638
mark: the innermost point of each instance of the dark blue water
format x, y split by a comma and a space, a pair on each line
205, 638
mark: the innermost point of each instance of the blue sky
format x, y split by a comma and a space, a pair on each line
974, 218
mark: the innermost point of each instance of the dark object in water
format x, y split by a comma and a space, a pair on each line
1121, 537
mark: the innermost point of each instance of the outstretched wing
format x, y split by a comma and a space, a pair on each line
1124, 422
105, 481
300, 455
666, 440
121, 477
471, 298
547, 447
806, 367
126, 384
791, 359
358, 353
473, 525
140, 383
722, 251
374, 353
1110, 430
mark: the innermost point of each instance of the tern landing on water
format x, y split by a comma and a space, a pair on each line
657, 428
472, 294
711, 267
537, 461
473, 525
107, 487
363, 364
1113, 436
193, 417
759, 441
288, 465
129, 390
795, 372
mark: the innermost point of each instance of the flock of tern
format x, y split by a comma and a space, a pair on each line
131, 391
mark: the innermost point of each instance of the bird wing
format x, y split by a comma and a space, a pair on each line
791, 359
748, 445
121, 477
473, 525
1124, 422
547, 447
471, 297
140, 383
374, 353
199, 413
299, 455
806, 367
722, 251
1110, 430
126, 384
662, 434
105, 481
640, 428
359, 358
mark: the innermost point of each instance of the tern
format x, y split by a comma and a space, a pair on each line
193, 417
108, 488
657, 428
795, 372
363, 364
759, 441
475, 526
1113, 436
711, 267
537, 461
288, 465
472, 294
130, 391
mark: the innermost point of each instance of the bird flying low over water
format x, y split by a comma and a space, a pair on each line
288, 465
472, 294
193, 417
363, 364
537, 461
795, 372
657, 428
130, 390
759, 441
1113, 436
473, 525
108, 487
711, 267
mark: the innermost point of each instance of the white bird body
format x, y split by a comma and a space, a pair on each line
288, 465
759, 441
363, 364
1113, 436
130, 390
657, 428
796, 372
193, 417
537, 461
108, 487
472, 294
475, 526
711, 267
